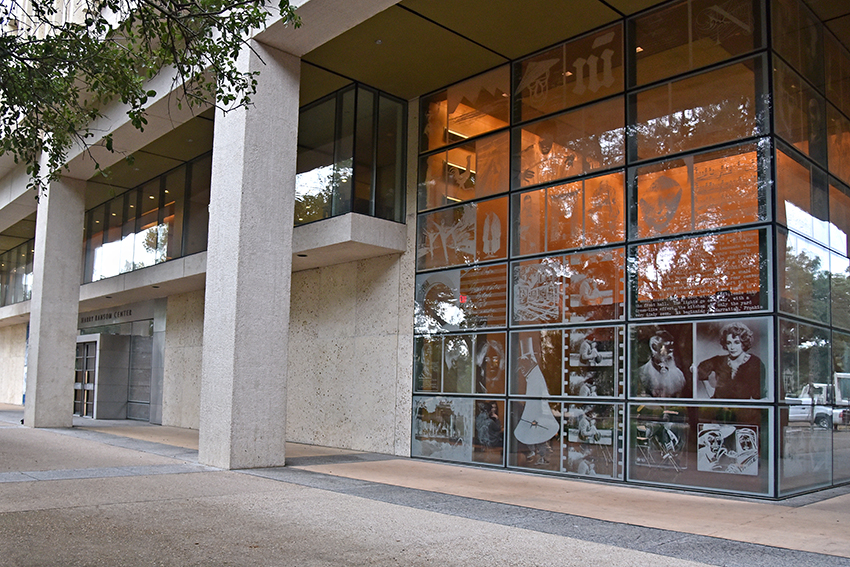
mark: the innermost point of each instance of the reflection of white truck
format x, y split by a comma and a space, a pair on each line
822, 404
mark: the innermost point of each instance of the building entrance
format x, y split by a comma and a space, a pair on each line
84, 378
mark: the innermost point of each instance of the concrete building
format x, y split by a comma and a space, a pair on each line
604, 239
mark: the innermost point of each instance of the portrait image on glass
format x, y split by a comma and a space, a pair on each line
661, 360
470, 298
731, 359
458, 364
491, 361
489, 439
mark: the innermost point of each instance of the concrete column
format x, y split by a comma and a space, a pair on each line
249, 259
57, 270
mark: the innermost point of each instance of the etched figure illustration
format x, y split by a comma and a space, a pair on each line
448, 237
659, 204
662, 444
545, 161
537, 292
537, 424
727, 449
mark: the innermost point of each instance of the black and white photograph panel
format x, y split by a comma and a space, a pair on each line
731, 359
661, 360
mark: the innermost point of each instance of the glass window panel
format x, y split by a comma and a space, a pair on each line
573, 73
570, 144
427, 364
458, 429
583, 362
461, 299
458, 364
28, 270
839, 277
801, 196
805, 450
574, 288
149, 248
314, 179
581, 440
479, 105
716, 273
709, 190
839, 217
837, 73
95, 251
128, 231
689, 35
451, 363
719, 448
732, 359
198, 205
841, 409
798, 38
467, 109
800, 117
173, 212
838, 141
803, 277
713, 107
662, 358
471, 171
604, 209
582, 213
20, 255
390, 162
364, 151
343, 169
111, 251
491, 358
463, 235
804, 358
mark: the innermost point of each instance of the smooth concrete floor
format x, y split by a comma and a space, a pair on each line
125, 493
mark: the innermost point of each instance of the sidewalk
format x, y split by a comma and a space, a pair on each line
128, 493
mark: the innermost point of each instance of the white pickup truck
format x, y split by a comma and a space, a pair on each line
814, 405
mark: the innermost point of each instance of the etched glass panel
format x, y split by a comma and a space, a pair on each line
573, 73
570, 144
798, 38
463, 235
470, 171
714, 107
716, 273
574, 288
467, 109
709, 190
801, 196
461, 299
719, 448
838, 144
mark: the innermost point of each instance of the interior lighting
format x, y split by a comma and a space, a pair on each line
458, 134
639, 49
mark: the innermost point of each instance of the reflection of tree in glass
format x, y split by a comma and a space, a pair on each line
713, 265
806, 289
316, 190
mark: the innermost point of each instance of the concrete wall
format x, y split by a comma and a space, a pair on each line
181, 387
13, 344
350, 356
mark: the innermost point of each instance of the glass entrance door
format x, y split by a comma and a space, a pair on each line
84, 375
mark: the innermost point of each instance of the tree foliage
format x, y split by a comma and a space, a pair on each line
59, 69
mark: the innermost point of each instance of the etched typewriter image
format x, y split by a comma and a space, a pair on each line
662, 444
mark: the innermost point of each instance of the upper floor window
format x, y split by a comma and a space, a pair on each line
351, 156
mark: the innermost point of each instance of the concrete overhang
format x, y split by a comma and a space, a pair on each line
345, 238
162, 280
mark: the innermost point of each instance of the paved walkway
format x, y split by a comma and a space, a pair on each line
123, 493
